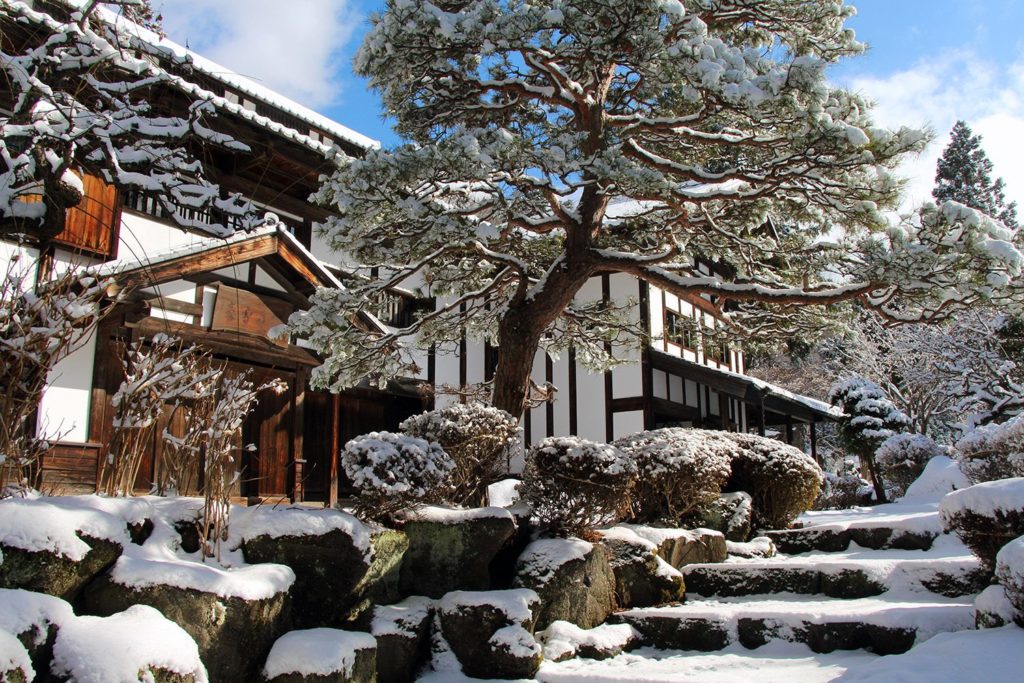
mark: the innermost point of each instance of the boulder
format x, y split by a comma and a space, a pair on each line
136, 644
341, 567
33, 618
993, 609
759, 547
730, 514
322, 655
234, 616
490, 632
573, 578
54, 549
452, 549
642, 577
680, 547
15, 662
562, 640
403, 638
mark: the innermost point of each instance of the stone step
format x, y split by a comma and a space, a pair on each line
951, 577
880, 625
830, 539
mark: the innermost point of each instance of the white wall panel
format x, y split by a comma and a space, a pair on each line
628, 423
64, 409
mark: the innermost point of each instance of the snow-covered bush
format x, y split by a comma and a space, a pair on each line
985, 516
995, 451
394, 471
481, 441
871, 418
678, 471
1010, 573
902, 458
39, 325
783, 481
573, 485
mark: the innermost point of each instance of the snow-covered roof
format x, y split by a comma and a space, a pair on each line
252, 89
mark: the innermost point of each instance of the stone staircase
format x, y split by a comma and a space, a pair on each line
874, 585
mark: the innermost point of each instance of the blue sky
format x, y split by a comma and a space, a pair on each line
929, 63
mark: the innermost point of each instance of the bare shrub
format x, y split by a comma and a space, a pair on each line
39, 326
480, 440
391, 472
574, 485
156, 373
678, 471
782, 480
902, 458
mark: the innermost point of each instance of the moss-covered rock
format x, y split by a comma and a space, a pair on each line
15, 662
642, 577
730, 514
490, 632
403, 638
45, 571
453, 549
234, 634
322, 655
573, 578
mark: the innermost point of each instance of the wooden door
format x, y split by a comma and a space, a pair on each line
269, 427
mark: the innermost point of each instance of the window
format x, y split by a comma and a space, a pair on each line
679, 329
92, 225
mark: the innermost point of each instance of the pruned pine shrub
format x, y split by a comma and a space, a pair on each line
995, 451
678, 471
574, 485
902, 458
783, 481
985, 516
391, 472
480, 440
39, 325
1010, 572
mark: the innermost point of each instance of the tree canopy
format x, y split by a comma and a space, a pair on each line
78, 97
549, 141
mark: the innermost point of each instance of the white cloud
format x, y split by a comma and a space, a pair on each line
938, 92
291, 46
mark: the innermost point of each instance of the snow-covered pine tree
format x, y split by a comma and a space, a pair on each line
553, 140
77, 97
871, 419
964, 174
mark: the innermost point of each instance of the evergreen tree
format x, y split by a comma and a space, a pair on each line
964, 174
552, 141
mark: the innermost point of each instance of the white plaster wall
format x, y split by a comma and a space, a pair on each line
264, 280
625, 424
64, 409
141, 236
538, 415
675, 389
561, 380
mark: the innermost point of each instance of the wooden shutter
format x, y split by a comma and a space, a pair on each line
92, 225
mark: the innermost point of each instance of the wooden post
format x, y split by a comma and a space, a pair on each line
332, 487
789, 429
761, 426
814, 439
298, 442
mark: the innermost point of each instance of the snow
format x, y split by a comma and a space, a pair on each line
911, 516
941, 475
993, 600
659, 535
41, 526
276, 522
503, 493
14, 657
991, 655
28, 612
119, 647
316, 652
516, 640
447, 515
402, 618
516, 603
776, 662
1010, 568
929, 614
542, 558
395, 464
987, 499
563, 639
159, 561
761, 546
